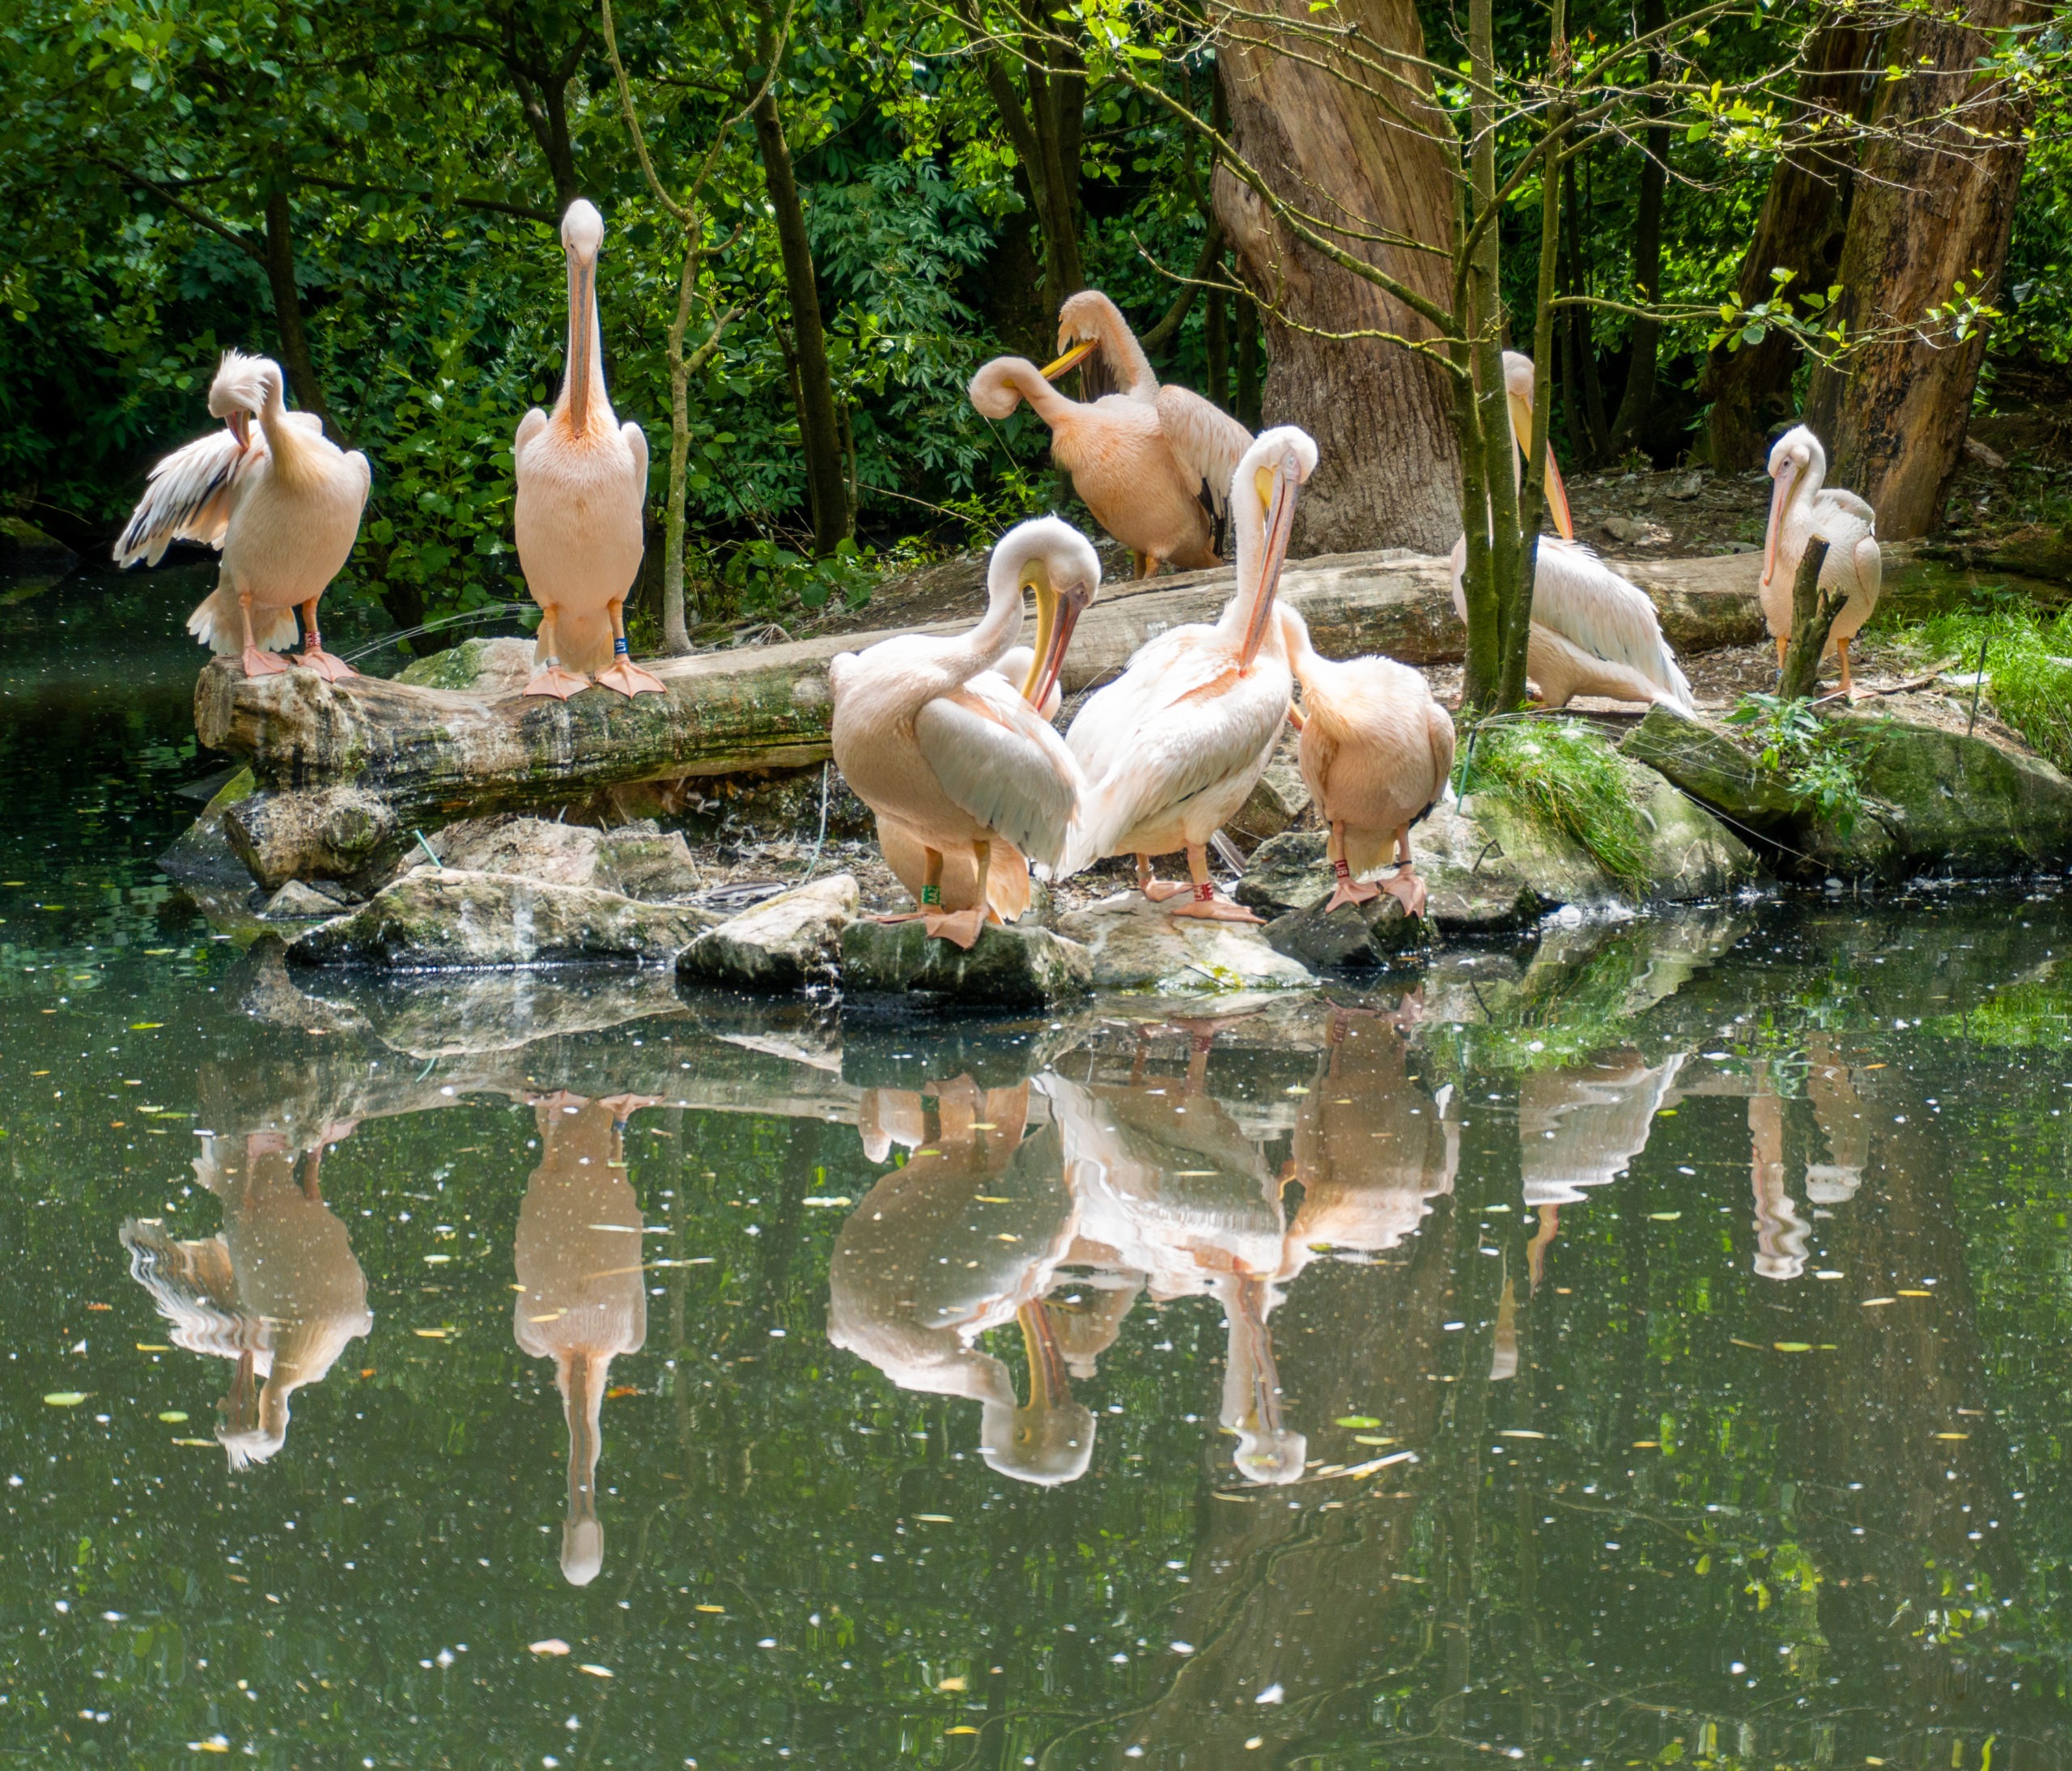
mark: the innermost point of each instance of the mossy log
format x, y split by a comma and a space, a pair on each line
347, 772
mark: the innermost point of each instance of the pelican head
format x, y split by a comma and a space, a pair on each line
582, 237
1050, 1441
1088, 322
1270, 475
242, 389
1796, 457
1517, 391
582, 230
1050, 556
1001, 385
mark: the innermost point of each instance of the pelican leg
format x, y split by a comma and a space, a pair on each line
548, 678
1141, 565
257, 663
331, 668
1158, 890
1203, 902
1345, 888
1850, 690
1535, 1251
964, 927
622, 675
930, 903
1784, 645
1406, 888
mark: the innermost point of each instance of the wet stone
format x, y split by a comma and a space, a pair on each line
1136, 944
1021, 967
1351, 937
779, 945
295, 900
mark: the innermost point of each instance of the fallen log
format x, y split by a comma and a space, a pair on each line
347, 772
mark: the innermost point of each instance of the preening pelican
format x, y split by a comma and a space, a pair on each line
582, 484
1170, 750
1801, 507
1376, 751
1152, 464
935, 741
281, 504
1593, 632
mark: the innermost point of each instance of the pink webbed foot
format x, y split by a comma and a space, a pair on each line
327, 665
1215, 909
1350, 891
262, 663
1158, 891
558, 682
962, 928
1408, 889
624, 677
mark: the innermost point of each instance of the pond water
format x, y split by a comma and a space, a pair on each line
1646, 1345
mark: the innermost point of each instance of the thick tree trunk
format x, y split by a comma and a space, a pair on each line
1216, 344
819, 432
1800, 231
1637, 399
1245, 396
1933, 209
1045, 130
1593, 436
1382, 416
295, 358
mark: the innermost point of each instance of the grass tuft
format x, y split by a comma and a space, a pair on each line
2028, 669
1566, 780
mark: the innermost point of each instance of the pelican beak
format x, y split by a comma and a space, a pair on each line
1557, 493
1780, 498
1277, 488
1048, 1382
582, 300
240, 427
1046, 623
1071, 359
1069, 604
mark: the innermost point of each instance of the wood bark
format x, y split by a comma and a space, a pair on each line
295, 358
347, 772
1812, 618
1388, 474
820, 433
1799, 230
1637, 398
1245, 393
1933, 207
541, 80
1042, 114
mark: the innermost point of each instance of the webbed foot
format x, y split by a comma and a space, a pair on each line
553, 680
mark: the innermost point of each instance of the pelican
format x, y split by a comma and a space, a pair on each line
1593, 632
1152, 464
282, 505
940, 745
582, 487
1376, 753
1802, 508
581, 1298
1584, 1127
1171, 749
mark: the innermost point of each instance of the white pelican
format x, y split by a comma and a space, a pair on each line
931, 737
1153, 464
1593, 632
581, 486
1801, 507
281, 504
1170, 750
1376, 753
1584, 1127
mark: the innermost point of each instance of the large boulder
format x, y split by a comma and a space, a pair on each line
1708, 763
1020, 967
779, 945
437, 918
1136, 944
638, 860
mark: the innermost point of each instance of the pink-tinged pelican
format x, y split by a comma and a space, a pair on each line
941, 747
1376, 752
281, 504
1593, 632
1153, 464
582, 485
1802, 508
1171, 749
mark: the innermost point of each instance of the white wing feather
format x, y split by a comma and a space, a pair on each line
999, 760
1578, 596
636, 439
189, 497
1207, 443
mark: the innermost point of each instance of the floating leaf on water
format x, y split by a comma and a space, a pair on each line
208, 1443
595, 1671
843, 1199
1519, 1432
1792, 1346
143, 1026
1953, 1435
432, 1333
437, 1260
935, 1519
1356, 1420
1917, 1294
173, 1417
718, 1610
1871, 1303
949, 1684
66, 1398
215, 1742
554, 1645
1371, 1438
1663, 1218
152, 1346
961, 1728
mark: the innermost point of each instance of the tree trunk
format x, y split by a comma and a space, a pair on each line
1585, 392
1216, 343
819, 433
288, 310
1932, 210
1045, 132
1637, 399
1798, 230
1388, 474
1245, 395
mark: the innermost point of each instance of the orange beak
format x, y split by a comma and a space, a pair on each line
1050, 665
1557, 493
1280, 494
240, 427
1071, 359
1780, 498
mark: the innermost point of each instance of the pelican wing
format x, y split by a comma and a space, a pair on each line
190, 496
1207, 443
1581, 598
1850, 502
996, 758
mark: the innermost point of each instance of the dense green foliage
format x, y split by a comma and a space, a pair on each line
1565, 778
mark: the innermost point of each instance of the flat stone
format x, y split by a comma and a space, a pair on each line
1352, 936
1708, 762
438, 918
779, 945
1136, 944
535, 848
1472, 886
645, 861
1017, 967
295, 900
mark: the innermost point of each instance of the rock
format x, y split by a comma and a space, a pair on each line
526, 847
1136, 944
1688, 486
438, 918
1017, 967
644, 861
1625, 529
1353, 935
341, 833
1277, 802
485, 667
1710, 763
780, 944
25, 548
1693, 857
295, 900
1472, 887
201, 856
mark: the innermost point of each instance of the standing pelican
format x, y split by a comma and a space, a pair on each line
937, 743
1171, 749
1593, 632
1376, 752
282, 505
581, 486
1801, 507
1152, 464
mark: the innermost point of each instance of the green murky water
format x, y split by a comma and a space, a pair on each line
1646, 1346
